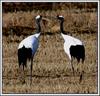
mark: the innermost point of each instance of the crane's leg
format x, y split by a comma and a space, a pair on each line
72, 65
31, 70
81, 77
82, 72
23, 77
83, 58
19, 59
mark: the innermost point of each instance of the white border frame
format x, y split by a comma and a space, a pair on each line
0, 47
46, 1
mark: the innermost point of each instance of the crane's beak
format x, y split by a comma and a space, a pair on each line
50, 17
45, 19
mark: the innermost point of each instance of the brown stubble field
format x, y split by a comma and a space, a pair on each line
52, 72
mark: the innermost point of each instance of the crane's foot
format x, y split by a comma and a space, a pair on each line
81, 77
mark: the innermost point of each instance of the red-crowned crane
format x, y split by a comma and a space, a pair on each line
28, 47
73, 47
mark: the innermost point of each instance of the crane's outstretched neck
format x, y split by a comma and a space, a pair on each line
61, 27
38, 27
62, 30
38, 31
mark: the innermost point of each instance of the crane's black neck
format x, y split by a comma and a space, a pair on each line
61, 27
62, 30
38, 27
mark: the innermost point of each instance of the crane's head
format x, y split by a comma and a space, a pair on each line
60, 17
38, 18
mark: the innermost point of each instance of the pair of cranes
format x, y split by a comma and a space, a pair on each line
27, 48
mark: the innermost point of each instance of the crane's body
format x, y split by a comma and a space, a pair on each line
28, 47
73, 47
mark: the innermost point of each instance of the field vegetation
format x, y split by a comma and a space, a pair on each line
52, 72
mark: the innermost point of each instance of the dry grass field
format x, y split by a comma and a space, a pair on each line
52, 72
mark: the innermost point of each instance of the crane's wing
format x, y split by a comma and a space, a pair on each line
71, 40
30, 42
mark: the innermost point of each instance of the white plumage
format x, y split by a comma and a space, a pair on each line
28, 47
61, 16
69, 40
37, 17
30, 42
